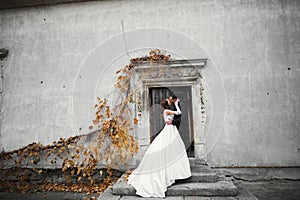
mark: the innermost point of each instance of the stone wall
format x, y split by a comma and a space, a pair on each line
253, 45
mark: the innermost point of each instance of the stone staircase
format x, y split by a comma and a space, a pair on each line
204, 182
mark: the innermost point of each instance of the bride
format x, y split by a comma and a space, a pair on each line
164, 161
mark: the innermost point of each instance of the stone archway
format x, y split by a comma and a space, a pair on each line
180, 73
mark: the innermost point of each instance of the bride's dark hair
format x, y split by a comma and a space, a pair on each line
165, 104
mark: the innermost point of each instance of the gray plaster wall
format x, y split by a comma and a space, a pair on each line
254, 44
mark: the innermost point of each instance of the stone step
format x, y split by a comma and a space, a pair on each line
209, 177
202, 168
192, 161
195, 161
242, 194
220, 188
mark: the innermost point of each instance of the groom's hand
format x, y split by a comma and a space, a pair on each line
169, 122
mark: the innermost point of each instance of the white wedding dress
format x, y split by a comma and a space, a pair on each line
164, 161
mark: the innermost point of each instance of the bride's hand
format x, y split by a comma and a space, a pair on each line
177, 100
169, 122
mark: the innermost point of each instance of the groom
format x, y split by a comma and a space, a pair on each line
177, 118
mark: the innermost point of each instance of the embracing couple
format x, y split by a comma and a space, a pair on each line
165, 159
171, 105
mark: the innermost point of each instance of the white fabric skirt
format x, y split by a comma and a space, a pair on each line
164, 161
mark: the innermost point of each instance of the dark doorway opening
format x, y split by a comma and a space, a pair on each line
156, 94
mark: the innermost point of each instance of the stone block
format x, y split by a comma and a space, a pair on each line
220, 188
107, 195
200, 177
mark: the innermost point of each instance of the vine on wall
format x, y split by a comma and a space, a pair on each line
113, 142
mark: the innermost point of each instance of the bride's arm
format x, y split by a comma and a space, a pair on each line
177, 112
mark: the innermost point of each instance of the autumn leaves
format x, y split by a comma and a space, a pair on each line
113, 142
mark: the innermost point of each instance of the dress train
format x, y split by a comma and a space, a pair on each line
164, 161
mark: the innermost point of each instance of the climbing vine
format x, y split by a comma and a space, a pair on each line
112, 143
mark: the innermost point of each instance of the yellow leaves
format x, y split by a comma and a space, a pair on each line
78, 170
114, 123
126, 175
106, 125
68, 179
118, 71
99, 116
123, 154
154, 52
95, 121
126, 123
120, 78
118, 85
125, 68
85, 152
136, 147
68, 164
125, 142
62, 149
119, 144
107, 112
77, 156
32, 153
123, 89
36, 160
102, 104
157, 55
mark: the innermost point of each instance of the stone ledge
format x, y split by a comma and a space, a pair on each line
220, 188
107, 195
26, 3
202, 169
255, 174
196, 177
152, 198
242, 194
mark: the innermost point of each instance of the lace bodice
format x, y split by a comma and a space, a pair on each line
167, 117
171, 117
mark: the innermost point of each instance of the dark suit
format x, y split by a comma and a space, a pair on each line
177, 118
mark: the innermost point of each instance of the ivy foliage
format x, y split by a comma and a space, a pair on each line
113, 142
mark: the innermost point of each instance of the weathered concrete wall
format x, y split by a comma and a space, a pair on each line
255, 45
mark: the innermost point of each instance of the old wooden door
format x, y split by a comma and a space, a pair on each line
156, 118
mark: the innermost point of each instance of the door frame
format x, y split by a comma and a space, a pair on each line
195, 105
172, 74
187, 113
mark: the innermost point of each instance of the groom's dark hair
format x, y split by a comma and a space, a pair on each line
173, 96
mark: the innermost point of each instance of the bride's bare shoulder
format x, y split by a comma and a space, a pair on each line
167, 111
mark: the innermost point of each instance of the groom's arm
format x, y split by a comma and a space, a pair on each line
177, 118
